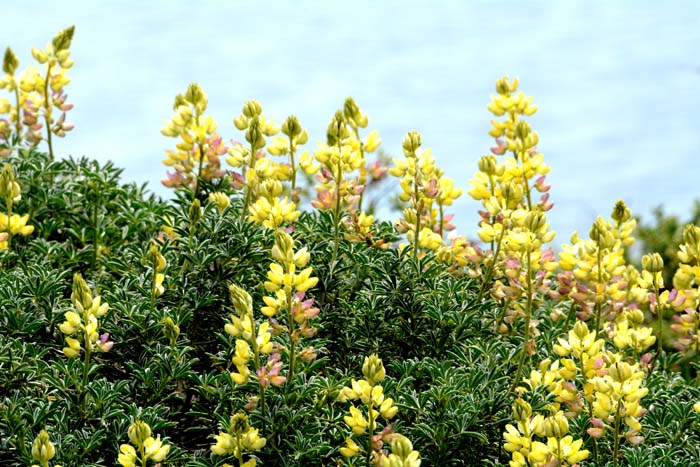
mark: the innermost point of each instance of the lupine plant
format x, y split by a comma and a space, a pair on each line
494, 351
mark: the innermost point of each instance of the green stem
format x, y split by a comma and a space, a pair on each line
47, 110
199, 173
336, 211
256, 360
598, 307
442, 220
143, 456
492, 266
417, 206
239, 451
292, 343
528, 314
294, 167
659, 317
246, 200
86, 366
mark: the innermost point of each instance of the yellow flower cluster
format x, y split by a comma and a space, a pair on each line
83, 321
38, 94
196, 155
43, 450
686, 296
340, 156
598, 280
509, 184
261, 177
427, 192
522, 441
294, 136
289, 278
240, 437
370, 394
402, 454
616, 401
610, 394
512, 223
143, 447
253, 341
11, 224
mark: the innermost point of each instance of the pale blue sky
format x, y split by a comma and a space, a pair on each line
616, 82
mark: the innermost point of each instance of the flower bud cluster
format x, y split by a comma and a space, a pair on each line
158, 265
512, 223
240, 438
364, 419
38, 95
427, 192
143, 447
261, 177
196, 155
289, 278
83, 322
598, 280
541, 441
252, 340
588, 380
43, 449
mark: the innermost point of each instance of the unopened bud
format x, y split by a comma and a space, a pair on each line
291, 127
42, 448
195, 212
521, 410
171, 330
139, 432
239, 424
336, 128
621, 213
487, 165
10, 62
252, 109
373, 369
242, 301
411, 142
653, 262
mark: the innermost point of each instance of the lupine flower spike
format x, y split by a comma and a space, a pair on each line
240, 438
143, 447
196, 156
365, 419
43, 450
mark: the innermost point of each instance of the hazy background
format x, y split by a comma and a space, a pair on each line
616, 82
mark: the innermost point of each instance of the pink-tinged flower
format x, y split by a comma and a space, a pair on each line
541, 185
500, 147
324, 200
269, 374
377, 171
104, 344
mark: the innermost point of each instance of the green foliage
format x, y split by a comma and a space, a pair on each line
448, 370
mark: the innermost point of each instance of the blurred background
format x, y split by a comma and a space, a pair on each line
616, 83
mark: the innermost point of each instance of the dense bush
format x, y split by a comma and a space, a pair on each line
227, 326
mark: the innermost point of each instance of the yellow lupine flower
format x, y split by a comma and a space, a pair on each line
16, 224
